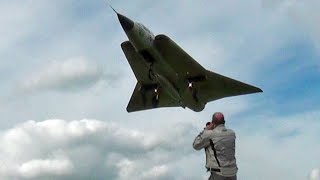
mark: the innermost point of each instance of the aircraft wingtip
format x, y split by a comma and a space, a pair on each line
129, 110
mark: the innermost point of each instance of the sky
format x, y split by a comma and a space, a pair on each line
65, 85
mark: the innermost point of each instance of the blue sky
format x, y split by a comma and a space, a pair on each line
65, 84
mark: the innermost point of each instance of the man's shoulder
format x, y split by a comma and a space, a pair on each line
222, 131
231, 131
207, 132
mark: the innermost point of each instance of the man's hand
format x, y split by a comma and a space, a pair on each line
209, 126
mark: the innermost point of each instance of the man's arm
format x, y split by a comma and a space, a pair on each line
202, 140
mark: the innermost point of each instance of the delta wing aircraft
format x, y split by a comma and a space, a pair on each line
167, 76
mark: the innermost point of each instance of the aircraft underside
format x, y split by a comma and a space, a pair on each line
173, 89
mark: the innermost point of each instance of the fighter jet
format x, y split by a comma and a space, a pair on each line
167, 76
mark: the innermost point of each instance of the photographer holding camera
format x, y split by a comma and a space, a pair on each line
219, 144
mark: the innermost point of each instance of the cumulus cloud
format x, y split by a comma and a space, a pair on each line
72, 73
157, 172
50, 167
78, 149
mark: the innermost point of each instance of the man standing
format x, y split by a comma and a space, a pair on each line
219, 145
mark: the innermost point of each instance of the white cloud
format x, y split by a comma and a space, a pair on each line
315, 174
47, 167
64, 75
57, 148
156, 172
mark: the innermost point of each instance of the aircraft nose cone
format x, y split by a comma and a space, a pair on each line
126, 23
